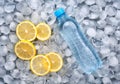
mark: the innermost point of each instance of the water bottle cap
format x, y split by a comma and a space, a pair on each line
59, 12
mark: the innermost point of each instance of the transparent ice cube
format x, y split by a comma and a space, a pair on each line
11, 57
34, 4
35, 17
2, 61
18, 17
9, 65
111, 11
116, 4
2, 71
4, 51
15, 73
5, 30
90, 2
2, 2
91, 32
106, 80
4, 39
101, 3
68, 52
118, 14
9, 8
1, 10
2, 21
22, 65
113, 61
13, 38
7, 79
12, 26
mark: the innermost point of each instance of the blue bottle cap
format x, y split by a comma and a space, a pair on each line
59, 12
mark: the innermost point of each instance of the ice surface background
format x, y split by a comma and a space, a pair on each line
100, 21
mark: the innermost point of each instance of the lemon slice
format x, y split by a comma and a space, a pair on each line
40, 65
25, 50
26, 31
43, 31
55, 60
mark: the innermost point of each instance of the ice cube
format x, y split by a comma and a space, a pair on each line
2, 2
13, 38
4, 39
91, 78
51, 20
106, 80
8, 18
95, 8
70, 10
5, 30
117, 33
93, 15
104, 50
91, 32
18, 17
35, 17
2, 61
34, 4
117, 76
2, 72
26, 11
9, 65
101, 24
101, 3
22, 65
109, 41
90, 2
118, 14
71, 3
112, 21
15, 73
18, 0
80, 1
49, 7
16, 81
116, 4
109, 30
84, 11
64, 45
56, 78
68, 52
103, 15
1, 10
7, 79
10, 47
20, 6
1, 82
23, 82
110, 10
44, 16
1, 21
113, 61
108, 0
11, 57
12, 26
4, 51
9, 8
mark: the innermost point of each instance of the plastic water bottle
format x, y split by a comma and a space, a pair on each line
81, 48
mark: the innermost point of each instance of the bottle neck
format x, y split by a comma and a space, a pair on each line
61, 18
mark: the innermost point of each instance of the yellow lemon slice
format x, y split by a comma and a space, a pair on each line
25, 50
26, 31
43, 31
55, 60
40, 65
